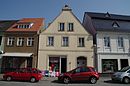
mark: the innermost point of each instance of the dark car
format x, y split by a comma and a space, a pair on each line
80, 74
30, 74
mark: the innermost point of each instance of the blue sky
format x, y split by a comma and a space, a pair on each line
49, 9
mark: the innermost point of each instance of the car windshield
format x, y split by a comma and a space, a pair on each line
124, 69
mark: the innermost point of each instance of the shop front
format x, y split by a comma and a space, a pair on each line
10, 61
113, 65
58, 64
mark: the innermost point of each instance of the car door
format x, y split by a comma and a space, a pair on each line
76, 74
85, 73
25, 74
15, 75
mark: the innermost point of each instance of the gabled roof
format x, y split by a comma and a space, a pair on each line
37, 24
103, 23
5, 24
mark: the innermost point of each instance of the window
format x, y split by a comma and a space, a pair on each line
29, 25
20, 41
10, 41
81, 42
120, 42
65, 41
61, 26
30, 41
107, 41
0, 39
50, 41
115, 24
70, 26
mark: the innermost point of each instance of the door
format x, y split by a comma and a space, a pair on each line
24, 74
76, 75
124, 63
63, 65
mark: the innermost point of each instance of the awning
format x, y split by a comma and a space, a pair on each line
18, 54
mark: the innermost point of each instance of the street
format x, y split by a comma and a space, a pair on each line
103, 81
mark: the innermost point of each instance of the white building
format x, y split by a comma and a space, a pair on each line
112, 39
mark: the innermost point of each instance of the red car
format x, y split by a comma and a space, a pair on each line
31, 74
80, 74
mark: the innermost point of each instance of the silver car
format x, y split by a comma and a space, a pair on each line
122, 75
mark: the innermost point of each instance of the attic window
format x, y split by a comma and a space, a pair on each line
107, 15
25, 25
115, 24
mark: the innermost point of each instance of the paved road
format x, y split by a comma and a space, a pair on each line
103, 81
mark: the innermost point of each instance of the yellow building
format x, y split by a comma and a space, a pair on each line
65, 44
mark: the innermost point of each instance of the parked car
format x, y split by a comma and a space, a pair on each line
30, 74
80, 74
122, 75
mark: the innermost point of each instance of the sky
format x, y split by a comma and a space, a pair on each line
49, 9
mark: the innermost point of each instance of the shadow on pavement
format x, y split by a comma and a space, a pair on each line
112, 82
79, 82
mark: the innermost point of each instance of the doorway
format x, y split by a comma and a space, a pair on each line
58, 63
124, 62
81, 61
63, 65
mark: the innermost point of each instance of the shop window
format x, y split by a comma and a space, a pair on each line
109, 65
54, 63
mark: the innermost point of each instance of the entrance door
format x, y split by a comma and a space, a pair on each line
124, 63
63, 65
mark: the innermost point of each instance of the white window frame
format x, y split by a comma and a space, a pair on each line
70, 27
107, 42
65, 41
120, 42
81, 41
20, 41
50, 41
10, 41
30, 41
61, 26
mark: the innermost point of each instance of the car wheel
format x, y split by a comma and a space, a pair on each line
126, 80
93, 80
32, 79
66, 80
8, 78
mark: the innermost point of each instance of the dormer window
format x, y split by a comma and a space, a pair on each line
25, 25
115, 24
107, 15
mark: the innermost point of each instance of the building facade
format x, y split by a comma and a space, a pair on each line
111, 35
4, 25
65, 44
21, 44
